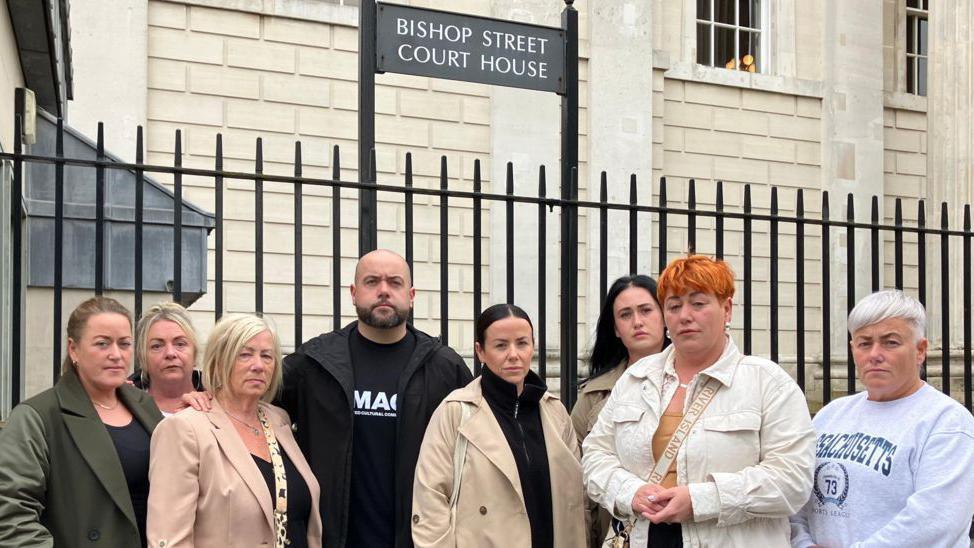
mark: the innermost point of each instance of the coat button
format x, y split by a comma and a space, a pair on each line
483, 510
94, 535
415, 518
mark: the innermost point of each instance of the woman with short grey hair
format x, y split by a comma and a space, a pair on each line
893, 462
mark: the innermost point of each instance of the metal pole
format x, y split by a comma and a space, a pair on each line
569, 213
16, 267
368, 237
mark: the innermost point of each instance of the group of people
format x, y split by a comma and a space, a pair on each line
377, 435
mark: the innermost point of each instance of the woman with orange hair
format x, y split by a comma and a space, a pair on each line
701, 445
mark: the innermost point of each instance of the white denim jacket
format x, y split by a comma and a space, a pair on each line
748, 460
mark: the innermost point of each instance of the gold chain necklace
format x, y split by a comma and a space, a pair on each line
106, 407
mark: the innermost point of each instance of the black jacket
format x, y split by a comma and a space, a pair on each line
318, 395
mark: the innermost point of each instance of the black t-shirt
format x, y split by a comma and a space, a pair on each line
132, 445
372, 504
298, 498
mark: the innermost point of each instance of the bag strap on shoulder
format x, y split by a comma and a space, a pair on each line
459, 455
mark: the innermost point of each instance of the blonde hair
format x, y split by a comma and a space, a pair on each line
226, 341
172, 312
78, 321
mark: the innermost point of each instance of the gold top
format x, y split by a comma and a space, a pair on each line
667, 425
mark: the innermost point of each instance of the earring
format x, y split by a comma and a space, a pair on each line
727, 326
667, 332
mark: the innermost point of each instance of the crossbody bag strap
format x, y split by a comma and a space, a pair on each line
703, 398
459, 456
280, 482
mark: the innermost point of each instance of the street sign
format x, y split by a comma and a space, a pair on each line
440, 44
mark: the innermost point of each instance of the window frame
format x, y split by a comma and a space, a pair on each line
763, 30
912, 18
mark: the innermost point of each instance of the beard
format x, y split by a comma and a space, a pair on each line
371, 319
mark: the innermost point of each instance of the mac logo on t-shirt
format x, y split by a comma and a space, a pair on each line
375, 404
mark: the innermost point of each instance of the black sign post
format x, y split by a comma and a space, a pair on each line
367, 200
569, 213
456, 46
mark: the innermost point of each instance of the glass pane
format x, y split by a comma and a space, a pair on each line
703, 9
913, 3
703, 44
724, 11
911, 23
750, 45
724, 48
921, 75
910, 73
922, 38
749, 13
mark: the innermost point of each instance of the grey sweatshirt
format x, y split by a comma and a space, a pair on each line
897, 473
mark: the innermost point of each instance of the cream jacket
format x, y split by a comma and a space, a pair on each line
206, 489
748, 460
490, 510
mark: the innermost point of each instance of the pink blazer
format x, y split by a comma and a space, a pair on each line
206, 490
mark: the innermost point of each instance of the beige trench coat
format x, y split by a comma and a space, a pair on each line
490, 510
592, 395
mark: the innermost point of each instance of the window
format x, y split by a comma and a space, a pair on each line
916, 46
729, 34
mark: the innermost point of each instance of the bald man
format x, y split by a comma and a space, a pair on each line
360, 399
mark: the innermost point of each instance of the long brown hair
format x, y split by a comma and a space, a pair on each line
78, 320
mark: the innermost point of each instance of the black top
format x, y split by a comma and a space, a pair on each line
132, 445
520, 420
318, 394
377, 368
298, 499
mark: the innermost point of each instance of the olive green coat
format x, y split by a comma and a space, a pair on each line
61, 483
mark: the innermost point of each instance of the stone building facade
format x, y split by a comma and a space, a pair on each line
833, 99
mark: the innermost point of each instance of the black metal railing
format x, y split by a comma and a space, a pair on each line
676, 224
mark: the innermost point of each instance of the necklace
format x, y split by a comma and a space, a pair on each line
106, 407
253, 430
684, 386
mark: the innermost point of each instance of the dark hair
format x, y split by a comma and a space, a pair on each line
495, 313
608, 350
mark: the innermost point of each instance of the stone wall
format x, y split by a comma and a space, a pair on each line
245, 75
743, 136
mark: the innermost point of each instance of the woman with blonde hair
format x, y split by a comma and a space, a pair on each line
701, 445
165, 356
235, 472
74, 464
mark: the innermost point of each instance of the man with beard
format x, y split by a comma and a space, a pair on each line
360, 399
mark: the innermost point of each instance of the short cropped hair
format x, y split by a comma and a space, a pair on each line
887, 304
696, 273
171, 312
226, 341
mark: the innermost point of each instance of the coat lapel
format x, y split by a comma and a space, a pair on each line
142, 406
240, 458
562, 465
91, 437
483, 432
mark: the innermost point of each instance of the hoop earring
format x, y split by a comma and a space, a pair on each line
667, 333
